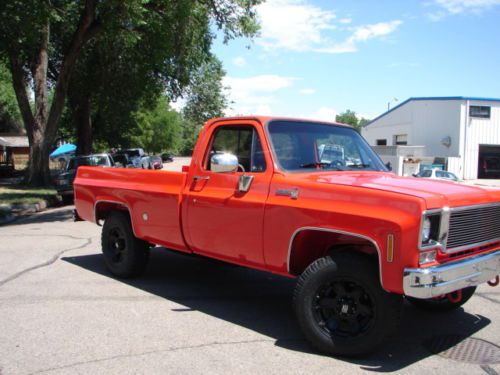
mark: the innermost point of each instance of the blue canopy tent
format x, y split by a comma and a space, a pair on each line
64, 149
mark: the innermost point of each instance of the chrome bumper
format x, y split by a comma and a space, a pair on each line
434, 281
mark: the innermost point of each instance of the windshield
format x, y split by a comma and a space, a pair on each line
309, 145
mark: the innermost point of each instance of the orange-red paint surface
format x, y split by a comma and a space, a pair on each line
262, 229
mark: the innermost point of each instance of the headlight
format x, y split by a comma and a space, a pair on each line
429, 232
426, 230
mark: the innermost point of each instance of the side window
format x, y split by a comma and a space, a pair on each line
243, 142
427, 173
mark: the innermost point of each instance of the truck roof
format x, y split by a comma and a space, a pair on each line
266, 119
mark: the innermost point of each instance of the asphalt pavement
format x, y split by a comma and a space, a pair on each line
61, 312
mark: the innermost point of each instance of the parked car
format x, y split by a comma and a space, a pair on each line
167, 157
151, 162
135, 156
156, 162
359, 239
436, 174
122, 160
64, 181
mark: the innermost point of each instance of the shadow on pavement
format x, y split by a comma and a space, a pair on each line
50, 216
262, 302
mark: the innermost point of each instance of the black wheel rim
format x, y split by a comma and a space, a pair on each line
116, 245
343, 308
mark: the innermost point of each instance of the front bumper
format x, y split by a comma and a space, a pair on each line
446, 278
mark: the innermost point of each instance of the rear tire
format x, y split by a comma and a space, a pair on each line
341, 306
442, 304
124, 254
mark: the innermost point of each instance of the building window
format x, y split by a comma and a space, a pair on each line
381, 142
401, 139
479, 111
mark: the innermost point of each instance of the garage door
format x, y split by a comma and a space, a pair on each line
489, 161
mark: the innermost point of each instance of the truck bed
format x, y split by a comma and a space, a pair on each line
152, 198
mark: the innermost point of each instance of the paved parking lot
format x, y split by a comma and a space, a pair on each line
62, 313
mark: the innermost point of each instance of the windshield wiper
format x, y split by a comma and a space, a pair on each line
323, 165
315, 165
360, 166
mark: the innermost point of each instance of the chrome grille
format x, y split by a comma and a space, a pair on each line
473, 226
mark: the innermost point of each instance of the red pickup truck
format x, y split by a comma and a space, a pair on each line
309, 200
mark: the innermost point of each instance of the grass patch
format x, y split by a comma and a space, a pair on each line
24, 195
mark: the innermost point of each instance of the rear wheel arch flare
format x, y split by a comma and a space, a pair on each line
103, 208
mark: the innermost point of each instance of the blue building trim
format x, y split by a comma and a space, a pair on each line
434, 98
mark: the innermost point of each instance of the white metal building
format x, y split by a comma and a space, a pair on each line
465, 130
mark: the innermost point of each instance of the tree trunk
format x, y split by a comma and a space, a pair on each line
38, 173
83, 121
42, 126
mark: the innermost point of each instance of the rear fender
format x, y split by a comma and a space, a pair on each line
102, 208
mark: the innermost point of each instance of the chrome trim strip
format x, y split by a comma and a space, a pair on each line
444, 226
471, 246
484, 205
319, 229
115, 202
449, 277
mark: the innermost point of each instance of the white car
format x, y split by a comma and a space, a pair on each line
436, 174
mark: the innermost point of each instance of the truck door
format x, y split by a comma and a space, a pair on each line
220, 220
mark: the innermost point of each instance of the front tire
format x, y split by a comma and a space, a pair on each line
124, 254
341, 306
442, 303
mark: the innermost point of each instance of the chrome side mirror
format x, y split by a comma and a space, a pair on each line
223, 163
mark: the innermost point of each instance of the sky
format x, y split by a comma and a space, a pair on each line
318, 58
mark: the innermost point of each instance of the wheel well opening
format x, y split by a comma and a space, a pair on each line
309, 245
104, 209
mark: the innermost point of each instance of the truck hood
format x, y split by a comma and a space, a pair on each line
436, 193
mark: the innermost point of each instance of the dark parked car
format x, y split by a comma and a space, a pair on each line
64, 181
122, 160
167, 157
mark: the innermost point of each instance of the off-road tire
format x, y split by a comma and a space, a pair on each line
442, 304
124, 254
373, 310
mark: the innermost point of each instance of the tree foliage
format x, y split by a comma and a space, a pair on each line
206, 99
10, 118
113, 49
349, 117
158, 129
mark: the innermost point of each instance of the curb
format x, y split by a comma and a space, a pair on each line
14, 211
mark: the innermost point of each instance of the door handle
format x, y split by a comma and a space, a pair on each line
198, 178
